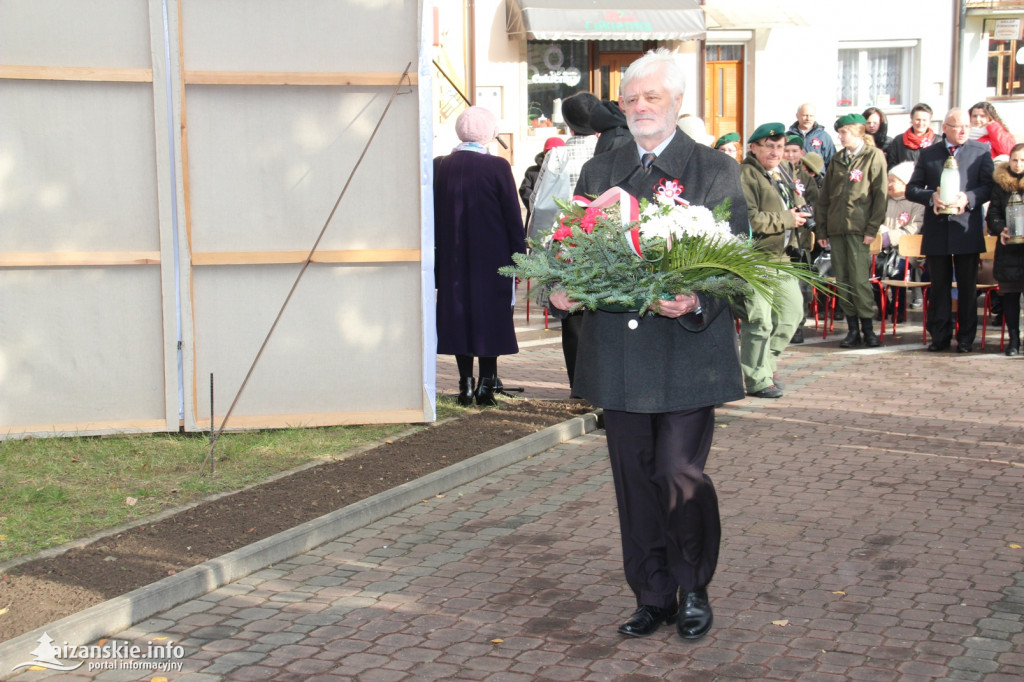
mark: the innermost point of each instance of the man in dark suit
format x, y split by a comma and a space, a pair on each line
953, 241
659, 377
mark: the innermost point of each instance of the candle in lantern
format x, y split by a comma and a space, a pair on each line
949, 186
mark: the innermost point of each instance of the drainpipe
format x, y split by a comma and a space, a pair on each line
959, 20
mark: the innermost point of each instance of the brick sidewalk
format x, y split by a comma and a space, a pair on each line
873, 520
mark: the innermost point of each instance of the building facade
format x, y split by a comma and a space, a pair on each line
749, 61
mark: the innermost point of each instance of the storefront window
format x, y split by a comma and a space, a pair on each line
556, 69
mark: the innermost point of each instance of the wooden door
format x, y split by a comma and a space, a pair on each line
723, 96
608, 74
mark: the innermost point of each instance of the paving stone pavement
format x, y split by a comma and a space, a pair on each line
873, 524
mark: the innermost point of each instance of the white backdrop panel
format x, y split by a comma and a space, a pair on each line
300, 35
77, 166
340, 346
80, 345
111, 33
267, 164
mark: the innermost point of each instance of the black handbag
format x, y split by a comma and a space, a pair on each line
887, 264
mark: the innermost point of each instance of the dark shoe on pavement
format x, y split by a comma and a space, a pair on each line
798, 337
646, 620
772, 391
695, 615
852, 339
964, 347
1013, 348
936, 346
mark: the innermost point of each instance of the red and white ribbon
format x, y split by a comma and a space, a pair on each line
629, 208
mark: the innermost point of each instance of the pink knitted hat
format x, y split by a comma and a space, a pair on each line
476, 124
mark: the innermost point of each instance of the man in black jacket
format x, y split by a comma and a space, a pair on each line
952, 241
659, 377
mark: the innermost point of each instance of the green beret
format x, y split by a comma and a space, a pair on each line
849, 119
767, 130
795, 139
727, 138
813, 162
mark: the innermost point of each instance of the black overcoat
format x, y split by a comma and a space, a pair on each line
956, 234
478, 225
654, 364
1008, 268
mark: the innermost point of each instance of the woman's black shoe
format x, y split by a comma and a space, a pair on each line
485, 391
466, 391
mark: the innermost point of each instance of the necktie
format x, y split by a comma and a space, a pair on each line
647, 160
952, 150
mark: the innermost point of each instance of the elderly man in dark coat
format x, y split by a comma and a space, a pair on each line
956, 240
477, 227
659, 377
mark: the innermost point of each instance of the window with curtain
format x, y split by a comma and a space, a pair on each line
877, 75
1005, 78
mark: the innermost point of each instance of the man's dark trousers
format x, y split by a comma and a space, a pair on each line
940, 303
668, 509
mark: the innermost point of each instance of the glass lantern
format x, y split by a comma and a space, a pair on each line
1015, 218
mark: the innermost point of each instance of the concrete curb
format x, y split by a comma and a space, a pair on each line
122, 612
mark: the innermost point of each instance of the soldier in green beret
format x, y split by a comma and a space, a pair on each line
807, 185
729, 144
773, 209
850, 209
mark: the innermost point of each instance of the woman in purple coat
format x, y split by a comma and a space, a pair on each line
478, 225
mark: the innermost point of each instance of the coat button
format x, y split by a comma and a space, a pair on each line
633, 324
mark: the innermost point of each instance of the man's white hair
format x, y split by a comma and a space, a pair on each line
661, 58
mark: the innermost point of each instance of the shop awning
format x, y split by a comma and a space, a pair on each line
605, 19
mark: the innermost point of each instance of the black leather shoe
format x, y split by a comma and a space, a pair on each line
695, 616
646, 620
935, 347
798, 336
466, 390
964, 347
1013, 348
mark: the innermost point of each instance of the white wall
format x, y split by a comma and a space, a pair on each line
790, 65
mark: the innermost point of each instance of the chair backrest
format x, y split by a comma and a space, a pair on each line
990, 247
987, 260
876, 246
910, 246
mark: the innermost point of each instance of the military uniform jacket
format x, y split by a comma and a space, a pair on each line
943, 235
654, 364
769, 216
853, 197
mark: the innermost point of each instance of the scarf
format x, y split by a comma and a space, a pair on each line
472, 147
914, 141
